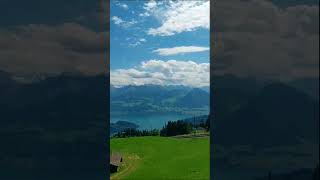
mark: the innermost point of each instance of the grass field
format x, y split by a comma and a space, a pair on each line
157, 158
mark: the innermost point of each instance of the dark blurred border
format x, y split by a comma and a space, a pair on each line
54, 90
212, 60
264, 87
108, 87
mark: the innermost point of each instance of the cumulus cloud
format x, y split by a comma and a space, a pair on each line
177, 16
257, 38
45, 49
180, 50
116, 20
120, 22
137, 42
172, 72
150, 6
122, 5
142, 40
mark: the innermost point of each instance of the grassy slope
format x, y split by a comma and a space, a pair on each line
156, 158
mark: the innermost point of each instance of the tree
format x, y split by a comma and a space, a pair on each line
173, 128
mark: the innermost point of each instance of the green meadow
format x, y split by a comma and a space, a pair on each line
157, 158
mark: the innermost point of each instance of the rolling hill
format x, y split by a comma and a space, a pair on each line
157, 157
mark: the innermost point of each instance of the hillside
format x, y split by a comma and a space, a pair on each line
261, 126
57, 118
179, 158
308, 85
120, 126
293, 118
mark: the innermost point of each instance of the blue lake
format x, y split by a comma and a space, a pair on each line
148, 121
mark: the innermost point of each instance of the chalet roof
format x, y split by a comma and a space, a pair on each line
115, 159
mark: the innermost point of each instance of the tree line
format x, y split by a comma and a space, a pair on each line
171, 128
131, 132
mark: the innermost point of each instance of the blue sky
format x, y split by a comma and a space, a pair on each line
159, 34
78, 32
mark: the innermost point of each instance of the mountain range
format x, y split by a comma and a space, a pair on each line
246, 111
156, 98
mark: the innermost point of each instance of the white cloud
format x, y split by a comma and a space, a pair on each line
172, 72
150, 5
126, 24
178, 16
122, 5
136, 42
117, 20
180, 50
142, 40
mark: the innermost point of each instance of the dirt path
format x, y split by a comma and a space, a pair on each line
129, 164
